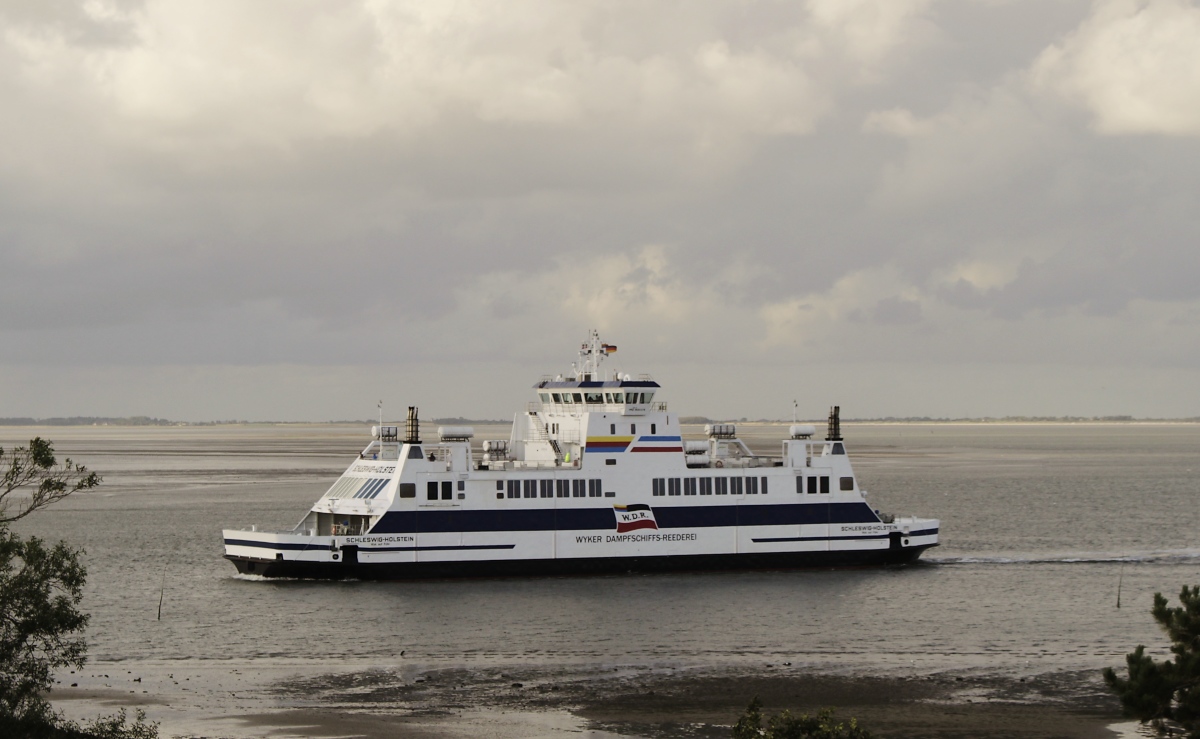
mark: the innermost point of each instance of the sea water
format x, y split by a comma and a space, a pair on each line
1043, 528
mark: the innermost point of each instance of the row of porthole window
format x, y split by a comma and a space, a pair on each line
819, 484
594, 398
612, 429
722, 485
551, 489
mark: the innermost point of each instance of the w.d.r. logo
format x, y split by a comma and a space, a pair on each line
634, 517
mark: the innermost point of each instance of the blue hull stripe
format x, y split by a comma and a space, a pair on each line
301, 547
599, 519
781, 539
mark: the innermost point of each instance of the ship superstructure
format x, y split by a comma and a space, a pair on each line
595, 477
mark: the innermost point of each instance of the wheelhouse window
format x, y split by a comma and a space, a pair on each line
594, 397
557, 397
618, 397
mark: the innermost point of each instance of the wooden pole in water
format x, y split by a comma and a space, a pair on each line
1120, 577
163, 589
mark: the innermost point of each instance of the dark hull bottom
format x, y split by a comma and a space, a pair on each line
558, 567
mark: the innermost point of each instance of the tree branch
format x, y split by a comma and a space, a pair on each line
33, 471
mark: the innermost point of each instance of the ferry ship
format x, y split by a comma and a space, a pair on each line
595, 477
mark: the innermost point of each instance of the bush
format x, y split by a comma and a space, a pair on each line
787, 726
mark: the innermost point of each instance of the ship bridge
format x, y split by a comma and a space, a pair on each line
629, 397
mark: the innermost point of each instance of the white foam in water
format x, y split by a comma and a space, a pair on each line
1172, 557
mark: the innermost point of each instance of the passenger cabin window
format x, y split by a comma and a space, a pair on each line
408, 490
751, 486
594, 489
847, 483
633, 428
431, 490
764, 486
514, 488
562, 488
706, 486
546, 488
653, 428
612, 429
825, 485
530, 488
577, 489
722, 485
448, 490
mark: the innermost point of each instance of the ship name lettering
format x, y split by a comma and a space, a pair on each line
378, 539
374, 469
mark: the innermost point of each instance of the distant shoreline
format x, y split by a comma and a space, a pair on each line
142, 421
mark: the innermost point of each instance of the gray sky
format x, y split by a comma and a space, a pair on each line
290, 210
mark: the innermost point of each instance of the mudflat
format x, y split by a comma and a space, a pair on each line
682, 703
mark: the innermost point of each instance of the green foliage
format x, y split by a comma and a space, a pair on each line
1166, 694
34, 470
104, 727
41, 626
787, 726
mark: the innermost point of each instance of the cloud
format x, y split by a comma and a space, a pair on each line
1132, 65
367, 191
